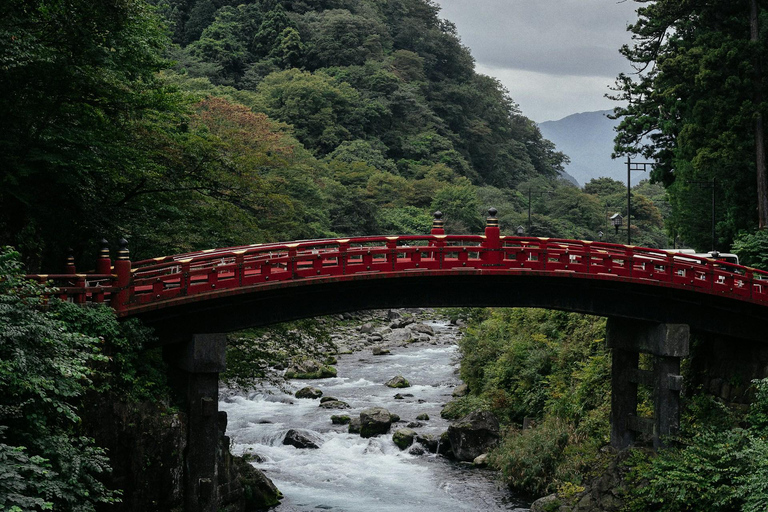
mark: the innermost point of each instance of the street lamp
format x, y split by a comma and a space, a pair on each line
617, 220
600, 234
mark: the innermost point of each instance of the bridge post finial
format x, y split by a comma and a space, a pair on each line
123, 271
437, 223
69, 266
492, 242
104, 264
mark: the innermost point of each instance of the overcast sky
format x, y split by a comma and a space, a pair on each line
556, 57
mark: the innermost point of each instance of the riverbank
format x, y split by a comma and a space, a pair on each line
346, 471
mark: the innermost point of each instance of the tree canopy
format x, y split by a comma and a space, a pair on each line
694, 107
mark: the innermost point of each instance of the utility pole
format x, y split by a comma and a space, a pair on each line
633, 166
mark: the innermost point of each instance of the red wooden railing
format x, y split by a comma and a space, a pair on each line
166, 281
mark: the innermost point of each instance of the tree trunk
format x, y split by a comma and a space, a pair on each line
762, 184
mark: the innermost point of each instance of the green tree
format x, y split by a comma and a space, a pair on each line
322, 111
45, 367
692, 108
68, 145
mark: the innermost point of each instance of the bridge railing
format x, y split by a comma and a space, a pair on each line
166, 280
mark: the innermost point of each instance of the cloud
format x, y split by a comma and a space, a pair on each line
556, 57
564, 37
543, 97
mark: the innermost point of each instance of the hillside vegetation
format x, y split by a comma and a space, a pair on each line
206, 123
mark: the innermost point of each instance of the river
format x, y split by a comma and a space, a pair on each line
352, 474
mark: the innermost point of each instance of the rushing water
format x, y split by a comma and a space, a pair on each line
349, 473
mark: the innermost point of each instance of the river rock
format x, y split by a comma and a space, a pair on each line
334, 404
398, 382
400, 335
310, 369
374, 421
373, 338
404, 437
342, 419
366, 328
354, 426
302, 439
474, 434
309, 392
423, 329
416, 450
423, 417
401, 323
380, 351
460, 390
546, 503
327, 399
481, 460
415, 424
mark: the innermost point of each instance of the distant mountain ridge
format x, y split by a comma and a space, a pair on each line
587, 138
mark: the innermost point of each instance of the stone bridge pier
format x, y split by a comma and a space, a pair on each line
198, 363
667, 344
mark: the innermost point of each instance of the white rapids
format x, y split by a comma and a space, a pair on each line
351, 474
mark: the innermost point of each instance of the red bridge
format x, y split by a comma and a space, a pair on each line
653, 299
222, 290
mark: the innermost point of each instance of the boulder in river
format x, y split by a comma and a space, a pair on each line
310, 369
423, 329
380, 351
423, 417
334, 404
309, 392
398, 382
302, 439
341, 419
474, 434
354, 426
374, 421
404, 437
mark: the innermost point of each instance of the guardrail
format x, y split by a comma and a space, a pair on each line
162, 282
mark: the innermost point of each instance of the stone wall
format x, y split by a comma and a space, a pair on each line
146, 443
725, 367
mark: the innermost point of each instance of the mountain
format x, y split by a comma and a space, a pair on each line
587, 138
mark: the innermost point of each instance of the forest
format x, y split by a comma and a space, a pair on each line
184, 125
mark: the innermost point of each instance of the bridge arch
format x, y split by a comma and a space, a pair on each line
652, 299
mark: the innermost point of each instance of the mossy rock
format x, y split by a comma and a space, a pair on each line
398, 382
404, 437
310, 371
341, 419
259, 492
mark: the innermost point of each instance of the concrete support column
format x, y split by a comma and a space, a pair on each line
667, 384
668, 343
201, 360
623, 396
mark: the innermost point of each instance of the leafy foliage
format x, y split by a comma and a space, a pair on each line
547, 366
715, 465
45, 368
692, 107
